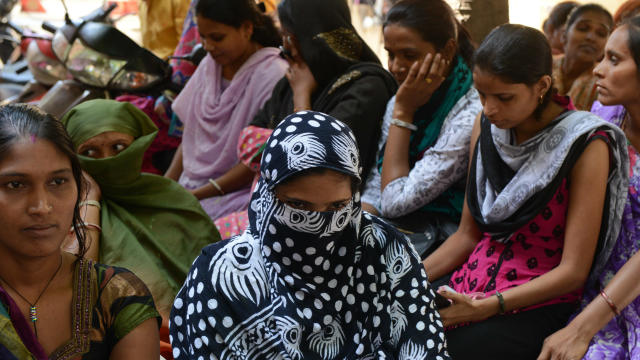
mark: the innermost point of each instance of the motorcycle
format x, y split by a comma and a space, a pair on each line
31, 77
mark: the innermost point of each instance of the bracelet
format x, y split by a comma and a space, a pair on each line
90, 203
87, 226
403, 124
216, 185
500, 302
612, 305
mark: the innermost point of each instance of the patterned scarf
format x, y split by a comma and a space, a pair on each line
310, 285
429, 119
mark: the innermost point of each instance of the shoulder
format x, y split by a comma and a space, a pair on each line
387, 238
365, 74
465, 110
121, 292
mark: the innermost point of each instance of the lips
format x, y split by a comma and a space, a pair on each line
588, 48
40, 230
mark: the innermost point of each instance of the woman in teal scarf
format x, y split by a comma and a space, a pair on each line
424, 148
146, 223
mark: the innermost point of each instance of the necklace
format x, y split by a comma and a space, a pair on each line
33, 315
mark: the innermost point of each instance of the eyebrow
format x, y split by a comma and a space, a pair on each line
614, 53
18, 174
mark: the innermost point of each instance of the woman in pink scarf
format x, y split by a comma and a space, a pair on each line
229, 87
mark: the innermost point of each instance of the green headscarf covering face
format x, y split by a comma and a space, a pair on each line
96, 117
150, 224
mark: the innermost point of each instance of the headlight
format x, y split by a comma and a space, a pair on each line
92, 67
133, 80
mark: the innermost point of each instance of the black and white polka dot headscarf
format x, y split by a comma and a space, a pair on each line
309, 285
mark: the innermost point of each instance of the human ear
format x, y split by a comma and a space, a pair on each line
450, 49
247, 29
543, 85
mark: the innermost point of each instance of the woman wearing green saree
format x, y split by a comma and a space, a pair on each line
146, 223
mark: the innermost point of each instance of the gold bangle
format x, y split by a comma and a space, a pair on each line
90, 203
216, 185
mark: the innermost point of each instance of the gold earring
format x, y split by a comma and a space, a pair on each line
541, 100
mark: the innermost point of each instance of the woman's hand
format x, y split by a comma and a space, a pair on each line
567, 343
93, 189
465, 309
423, 79
300, 78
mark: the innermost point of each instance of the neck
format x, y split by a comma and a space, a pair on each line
573, 68
27, 273
230, 70
632, 124
530, 127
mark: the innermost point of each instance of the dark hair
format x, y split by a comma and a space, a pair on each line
434, 21
19, 121
236, 12
627, 10
633, 30
517, 54
575, 14
558, 15
355, 182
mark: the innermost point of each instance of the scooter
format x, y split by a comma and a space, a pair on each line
29, 79
104, 63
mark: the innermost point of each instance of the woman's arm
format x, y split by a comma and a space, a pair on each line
414, 92
572, 341
143, 342
175, 169
238, 177
584, 217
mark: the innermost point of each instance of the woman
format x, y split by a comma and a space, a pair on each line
553, 26
55, 305
588, 27
229, 87
143, 222
419, 180
312, 277
545, 190
595, 330
332, 70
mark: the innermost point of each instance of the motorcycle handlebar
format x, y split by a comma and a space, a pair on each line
100, 14
47, 26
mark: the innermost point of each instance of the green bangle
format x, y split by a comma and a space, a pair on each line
500, 302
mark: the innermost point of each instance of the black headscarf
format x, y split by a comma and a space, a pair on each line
328, 42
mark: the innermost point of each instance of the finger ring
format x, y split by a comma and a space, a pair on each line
428, 80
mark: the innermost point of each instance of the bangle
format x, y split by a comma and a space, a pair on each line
612, 305
90, 203
88, 226
403, 124
500, 302
216, 185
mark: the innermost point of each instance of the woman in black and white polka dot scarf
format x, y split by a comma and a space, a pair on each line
300, 284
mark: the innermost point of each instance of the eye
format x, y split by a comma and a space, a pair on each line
613, 59
119, 147
300, 205
338, 205
89, 152
59, 181
505, 98
13, 185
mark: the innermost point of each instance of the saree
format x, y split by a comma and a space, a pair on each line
304, 284
150, 224
620, 337
214, 115
108, 303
